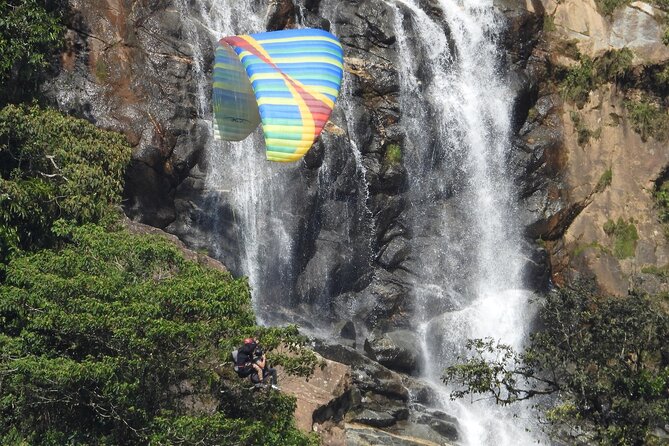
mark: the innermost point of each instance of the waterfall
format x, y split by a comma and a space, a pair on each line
247, 219
467, 236
466, 241
251, 215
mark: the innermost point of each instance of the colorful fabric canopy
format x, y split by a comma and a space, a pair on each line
294, 76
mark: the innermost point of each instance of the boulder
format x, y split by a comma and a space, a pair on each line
322, 397
398, 350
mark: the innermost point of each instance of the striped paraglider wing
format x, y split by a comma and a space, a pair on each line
295, 76
235, 108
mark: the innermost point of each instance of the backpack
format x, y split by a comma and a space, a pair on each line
242, 364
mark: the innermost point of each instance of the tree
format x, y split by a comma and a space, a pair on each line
30, 32
603, 358
114, 338
54, 166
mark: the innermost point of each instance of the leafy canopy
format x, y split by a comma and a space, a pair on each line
29, 32
53, 166
603, 357
111, 339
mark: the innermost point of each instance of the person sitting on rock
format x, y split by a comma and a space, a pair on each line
251, 361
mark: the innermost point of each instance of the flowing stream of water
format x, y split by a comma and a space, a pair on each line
242, 189
475, 264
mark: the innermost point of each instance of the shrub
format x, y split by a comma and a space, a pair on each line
601, 356
588, 74
393, 154
607, 7
614, 64
29, 33
625, 237
549, 23
661, 78
661, 196
604, 180
609, 227
662, 271
648, 119
581, 248
53, 166
579, 81
582, 131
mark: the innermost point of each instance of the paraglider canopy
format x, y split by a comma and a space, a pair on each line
287, 80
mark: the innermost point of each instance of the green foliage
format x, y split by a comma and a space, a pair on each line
580, 249
605, 180
582, 131
29, 33
625, 237
588, 74
549, 23
53, 166
393, 154
579, 81
609, 227
648, 119
568, 48
607, 7
217, 429
661, 196
102, 341
600, 355
661, 78
662, 271
102, 70
614, 64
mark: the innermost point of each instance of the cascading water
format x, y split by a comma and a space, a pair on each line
467, 238
466, 242
251, 217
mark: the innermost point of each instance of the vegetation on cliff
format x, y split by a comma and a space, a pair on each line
603, 360
108, 337
101, 331
643, 88
30, 31
54, 167
661, 194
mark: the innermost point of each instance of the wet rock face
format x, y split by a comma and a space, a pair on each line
129, 67
398, 350
377, 408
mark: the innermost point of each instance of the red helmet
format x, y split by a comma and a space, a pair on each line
249, 341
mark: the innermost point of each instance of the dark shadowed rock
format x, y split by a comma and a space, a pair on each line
346, 330
281, 15
398, 350
394, 253
129, 68
379, 408
372, 418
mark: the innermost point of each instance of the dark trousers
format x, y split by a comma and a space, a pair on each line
269, 375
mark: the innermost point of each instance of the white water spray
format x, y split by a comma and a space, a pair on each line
476, 262
237, 177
